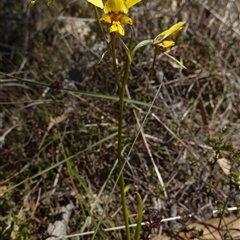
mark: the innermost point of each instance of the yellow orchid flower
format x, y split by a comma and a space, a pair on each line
163, 44
115, 11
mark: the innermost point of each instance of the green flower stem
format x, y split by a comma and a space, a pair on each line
113, 38
121, 89
119, 147
153, 64
99, 24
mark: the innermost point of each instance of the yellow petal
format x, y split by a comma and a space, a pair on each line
117, 27
130, 3
106, 19
97, 3
127, 20
172, 30
116, 6
165, 45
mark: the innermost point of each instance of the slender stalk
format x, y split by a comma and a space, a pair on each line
121, 92
153, 64
99, 24
119, 146
114, 57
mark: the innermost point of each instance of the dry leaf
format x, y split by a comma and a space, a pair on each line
21, 216
55, 121
2, 190
225, 165
52, 123
210, 230
174, 5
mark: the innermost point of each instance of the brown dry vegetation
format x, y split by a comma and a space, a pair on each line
198, 108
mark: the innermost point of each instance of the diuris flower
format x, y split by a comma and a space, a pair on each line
163, 44
116, 13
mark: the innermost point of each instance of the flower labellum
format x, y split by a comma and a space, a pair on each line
165, 45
